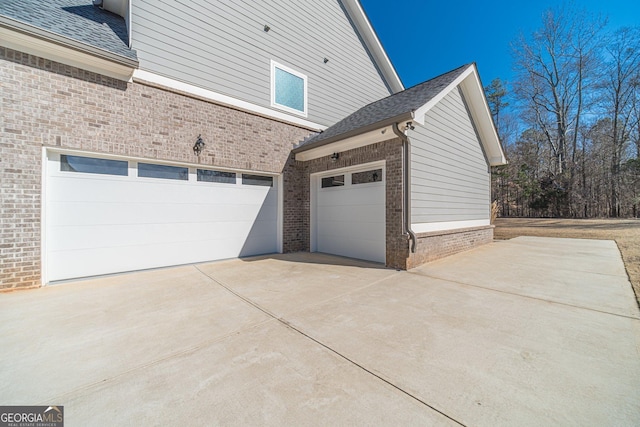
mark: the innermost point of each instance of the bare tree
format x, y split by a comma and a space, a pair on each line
554, 66
619, 92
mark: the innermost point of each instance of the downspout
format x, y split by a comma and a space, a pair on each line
406, 189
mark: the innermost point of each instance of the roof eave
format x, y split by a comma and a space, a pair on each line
407, 116
40, 33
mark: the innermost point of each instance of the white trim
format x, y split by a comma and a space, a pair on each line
469, 82
298, 74
55, 52
448, 225
280, 194
419, 114
43, 219
152, 79
359, 18
357, 141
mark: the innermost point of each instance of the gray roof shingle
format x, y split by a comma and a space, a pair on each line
396, 107
75, 19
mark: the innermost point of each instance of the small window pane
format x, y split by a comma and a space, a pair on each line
289, 90
148, 170
265, 181
367, 176
92, 165
216, 176
333, 181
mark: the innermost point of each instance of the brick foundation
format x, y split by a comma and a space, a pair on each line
439, 244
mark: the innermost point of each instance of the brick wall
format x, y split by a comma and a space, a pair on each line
297, 229
49, 104
435, 245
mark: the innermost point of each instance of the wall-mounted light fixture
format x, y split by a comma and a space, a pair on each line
198, 146
410, 126
266, 28
325, 60
335, 157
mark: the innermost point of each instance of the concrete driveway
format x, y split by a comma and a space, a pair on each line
531, 331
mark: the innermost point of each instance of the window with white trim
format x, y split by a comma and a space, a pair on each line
288, 89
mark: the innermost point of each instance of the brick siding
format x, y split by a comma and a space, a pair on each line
435, 245
48, 104
297, 224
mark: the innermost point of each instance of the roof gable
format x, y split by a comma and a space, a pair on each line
412, 105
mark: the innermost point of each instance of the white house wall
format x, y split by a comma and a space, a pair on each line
450, 179
222, 46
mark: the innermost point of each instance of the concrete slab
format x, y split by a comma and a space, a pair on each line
580, 272
487, 337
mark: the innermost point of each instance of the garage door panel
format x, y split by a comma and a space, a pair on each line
98, 224
350, 220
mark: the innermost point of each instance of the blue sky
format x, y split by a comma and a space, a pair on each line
425, 38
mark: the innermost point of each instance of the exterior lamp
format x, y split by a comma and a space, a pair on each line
335, 157
198, 146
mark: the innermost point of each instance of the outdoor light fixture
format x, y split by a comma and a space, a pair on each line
335, 157
266, 28
410, 126
326, 60
198, 146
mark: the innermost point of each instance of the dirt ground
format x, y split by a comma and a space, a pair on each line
626, 233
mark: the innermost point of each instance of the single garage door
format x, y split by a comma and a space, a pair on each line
114, 215
350, 213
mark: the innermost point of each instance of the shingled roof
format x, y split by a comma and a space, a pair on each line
77, 20
394, 108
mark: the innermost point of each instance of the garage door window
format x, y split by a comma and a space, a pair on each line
366, 176
265, 181
333, 181
93, 165
148, 170
216, 176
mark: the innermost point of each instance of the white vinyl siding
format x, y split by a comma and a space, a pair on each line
450, 179
222, 46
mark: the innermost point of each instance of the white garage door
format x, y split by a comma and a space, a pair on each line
350, 213
108, 215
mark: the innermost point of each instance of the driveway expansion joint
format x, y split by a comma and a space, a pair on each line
290, 326
421, 274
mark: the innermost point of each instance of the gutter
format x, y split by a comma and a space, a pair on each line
355, 132
49, 36
406, 189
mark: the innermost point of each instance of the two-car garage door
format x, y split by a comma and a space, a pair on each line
113, 215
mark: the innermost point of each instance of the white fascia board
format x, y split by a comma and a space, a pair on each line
420, 113
156, 80
469, 82
368, 34
368, 138
481, 114
428, 227
43, 48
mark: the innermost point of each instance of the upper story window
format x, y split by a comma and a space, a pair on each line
288, 89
